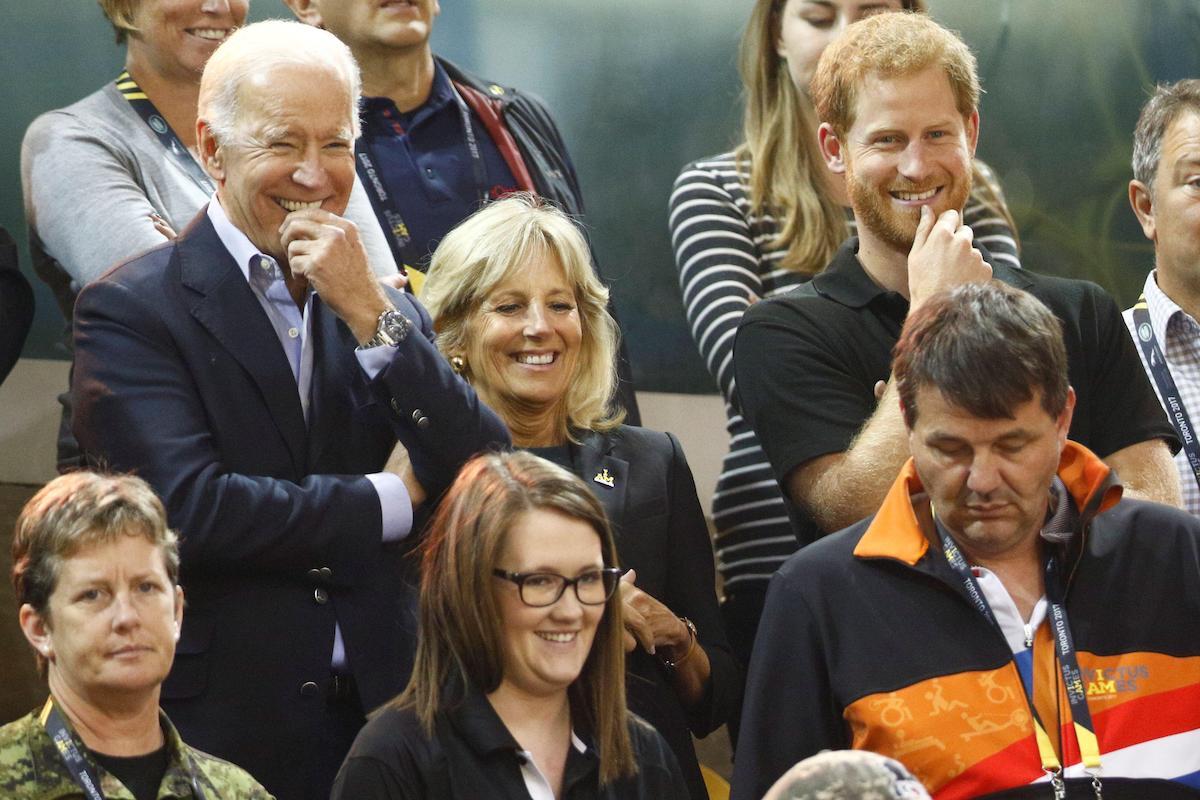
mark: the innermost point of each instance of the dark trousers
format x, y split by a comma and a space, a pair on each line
343, 718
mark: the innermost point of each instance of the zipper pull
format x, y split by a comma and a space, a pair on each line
1028, 636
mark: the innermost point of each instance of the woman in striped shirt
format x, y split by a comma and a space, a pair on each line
755, 222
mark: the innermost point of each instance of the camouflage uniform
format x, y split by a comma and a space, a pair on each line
30, 768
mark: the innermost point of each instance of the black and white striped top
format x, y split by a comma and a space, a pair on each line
725, 263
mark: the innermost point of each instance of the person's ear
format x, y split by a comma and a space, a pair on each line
37, 631
306, 11
210, 151
1141, 198
178, 611
973, 131
831, 148
1063, 423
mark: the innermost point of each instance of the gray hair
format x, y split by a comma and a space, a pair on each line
260, 47
846, 774
1165, 105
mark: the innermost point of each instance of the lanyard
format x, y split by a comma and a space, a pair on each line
133, 93
1167, 389
80, 768
1081, 717
388, 212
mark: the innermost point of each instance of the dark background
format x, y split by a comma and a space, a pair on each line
642, 87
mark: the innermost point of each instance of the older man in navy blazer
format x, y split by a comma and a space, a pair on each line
257, 375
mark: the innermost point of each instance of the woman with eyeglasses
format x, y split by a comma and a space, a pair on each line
519, 312
756, 222
519, 677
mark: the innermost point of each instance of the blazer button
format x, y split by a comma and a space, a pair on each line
326, 573
314, 575
321, 596
309, 689
395, 404
418, 416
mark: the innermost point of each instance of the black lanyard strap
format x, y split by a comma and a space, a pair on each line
1167, 389
80, 768
142, 104
82, 771
407, 254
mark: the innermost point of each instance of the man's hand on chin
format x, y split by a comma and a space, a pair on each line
325, 250
943, 256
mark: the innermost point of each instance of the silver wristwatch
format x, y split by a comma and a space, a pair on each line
392, 328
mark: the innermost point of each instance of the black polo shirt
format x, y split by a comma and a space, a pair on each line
807, 363
472, 755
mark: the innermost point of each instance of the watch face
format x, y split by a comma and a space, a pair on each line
393, 326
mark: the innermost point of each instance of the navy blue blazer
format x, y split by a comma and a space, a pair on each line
180, 378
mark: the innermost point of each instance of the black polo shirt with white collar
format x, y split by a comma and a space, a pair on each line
806, 364
472, 755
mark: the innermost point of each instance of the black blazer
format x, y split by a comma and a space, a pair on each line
179, 377
661, 533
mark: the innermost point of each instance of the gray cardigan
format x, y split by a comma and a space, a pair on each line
93, 172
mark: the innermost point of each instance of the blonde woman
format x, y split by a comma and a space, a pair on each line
519, 312
755, 222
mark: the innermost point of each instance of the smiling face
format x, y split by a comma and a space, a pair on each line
988, 479
292, 148
367, 25
545, 648
174, 38
111, 621
807, 26
526, 336
909, 146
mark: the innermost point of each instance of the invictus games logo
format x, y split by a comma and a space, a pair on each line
1113, 681
158, 124
1144, 332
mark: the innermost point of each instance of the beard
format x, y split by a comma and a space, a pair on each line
876, 211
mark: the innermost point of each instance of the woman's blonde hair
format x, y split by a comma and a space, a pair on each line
487, 248
461, 640
779, 153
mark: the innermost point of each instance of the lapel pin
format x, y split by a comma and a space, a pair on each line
604, 478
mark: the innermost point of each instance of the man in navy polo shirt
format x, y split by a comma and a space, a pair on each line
438, 142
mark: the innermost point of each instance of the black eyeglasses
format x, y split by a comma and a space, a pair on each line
541, 589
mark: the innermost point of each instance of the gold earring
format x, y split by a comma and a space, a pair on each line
458, 364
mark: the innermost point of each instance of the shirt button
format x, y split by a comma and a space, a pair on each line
293, 332
321, 596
